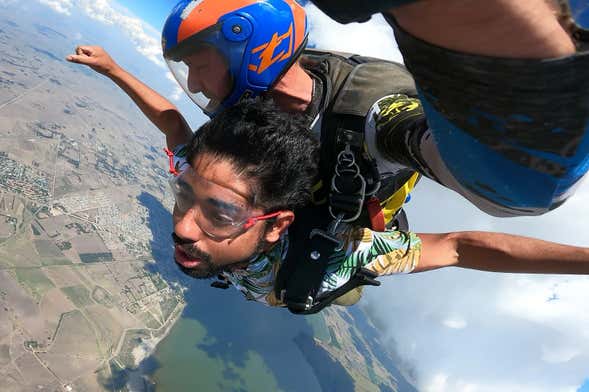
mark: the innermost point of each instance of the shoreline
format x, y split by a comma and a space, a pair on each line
139, 377
148, 346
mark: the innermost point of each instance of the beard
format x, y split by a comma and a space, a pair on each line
207, 268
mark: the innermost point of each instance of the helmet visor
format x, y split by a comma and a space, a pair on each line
202, 68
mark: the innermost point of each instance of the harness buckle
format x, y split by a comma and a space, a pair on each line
351, 197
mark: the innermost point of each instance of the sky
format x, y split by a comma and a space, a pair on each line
454, 330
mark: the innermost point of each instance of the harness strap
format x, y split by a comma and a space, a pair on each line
299, 278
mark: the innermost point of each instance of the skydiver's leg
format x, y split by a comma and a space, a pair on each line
499, 28
512, 131
509, 131
502, 28
493, 181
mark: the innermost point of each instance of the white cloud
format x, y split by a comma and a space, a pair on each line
61, 6
144, 37
373, 38
518, 332
177, 94
455, 322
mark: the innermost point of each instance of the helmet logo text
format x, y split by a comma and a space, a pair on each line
267, 56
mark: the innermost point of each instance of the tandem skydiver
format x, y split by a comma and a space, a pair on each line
491, 157
248, 173
218, 78
221, 52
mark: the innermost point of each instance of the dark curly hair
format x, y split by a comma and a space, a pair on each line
274, 149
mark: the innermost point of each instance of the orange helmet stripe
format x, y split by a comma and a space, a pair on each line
299, 17
207, 14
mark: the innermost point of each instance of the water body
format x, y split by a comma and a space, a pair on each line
224, 343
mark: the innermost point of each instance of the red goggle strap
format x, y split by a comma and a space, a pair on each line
172, 168
252, 221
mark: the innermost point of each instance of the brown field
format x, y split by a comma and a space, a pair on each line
109, 329
19, 252
11, 379
89, 243
35, 373
71, 366
62, 276
90, 383
75, 335
4, 354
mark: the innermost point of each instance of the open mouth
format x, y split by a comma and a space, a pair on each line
184, 259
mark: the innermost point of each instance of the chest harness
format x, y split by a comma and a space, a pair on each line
350, 190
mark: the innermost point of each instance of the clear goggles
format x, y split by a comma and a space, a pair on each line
218, 211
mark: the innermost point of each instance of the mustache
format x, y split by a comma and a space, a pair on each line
189, 247
180, 241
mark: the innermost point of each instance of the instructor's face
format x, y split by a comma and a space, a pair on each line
208, 74
199, 254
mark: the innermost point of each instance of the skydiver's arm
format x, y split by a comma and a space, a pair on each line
498, 28
161, 112
499, 252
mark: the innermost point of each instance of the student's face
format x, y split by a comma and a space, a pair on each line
208, 74
219, 195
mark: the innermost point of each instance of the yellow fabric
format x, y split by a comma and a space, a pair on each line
391, 205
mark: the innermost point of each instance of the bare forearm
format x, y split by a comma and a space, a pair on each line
161, 112
510, 253
498, 28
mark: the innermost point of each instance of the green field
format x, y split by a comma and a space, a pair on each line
102, 296
149, 320
167, 306
95, 257
79, 295
158, 282
34, 280
333, 340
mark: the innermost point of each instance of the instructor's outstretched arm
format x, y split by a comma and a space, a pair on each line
161, 112
499, 252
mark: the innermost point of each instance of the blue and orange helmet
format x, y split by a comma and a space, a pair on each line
256, 40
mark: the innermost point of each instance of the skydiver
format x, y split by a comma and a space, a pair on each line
238, 198
505, 88
494, 162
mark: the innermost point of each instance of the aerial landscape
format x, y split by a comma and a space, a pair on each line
87, 284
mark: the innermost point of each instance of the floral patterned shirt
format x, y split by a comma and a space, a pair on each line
385, 253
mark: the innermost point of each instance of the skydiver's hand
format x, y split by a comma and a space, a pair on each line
96, 58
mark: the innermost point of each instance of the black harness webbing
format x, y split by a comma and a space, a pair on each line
348, 175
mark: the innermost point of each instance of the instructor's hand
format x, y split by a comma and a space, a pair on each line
96, 58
